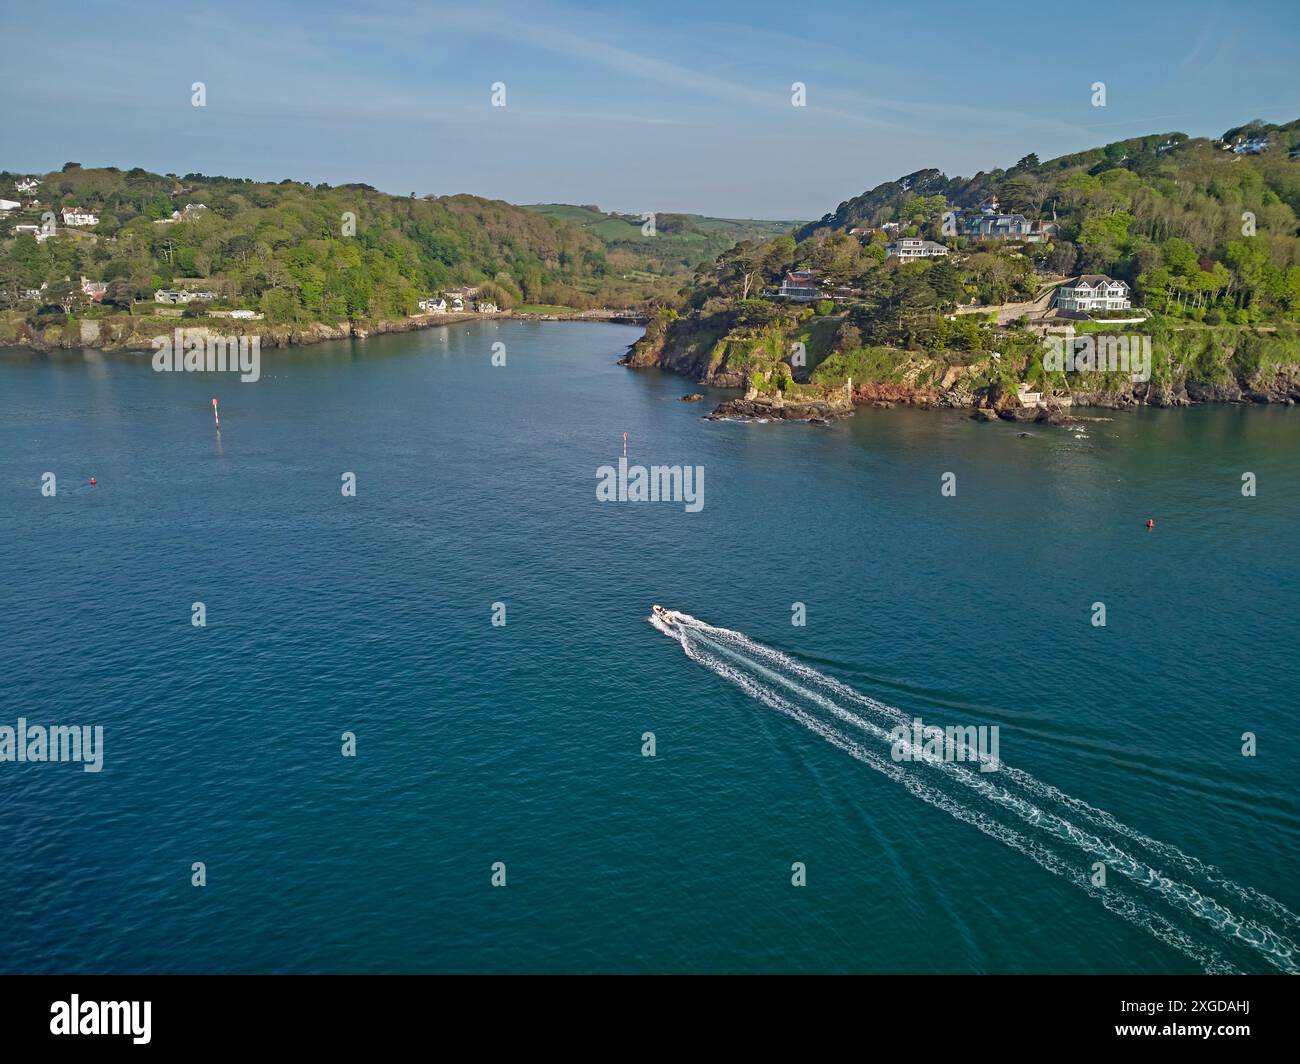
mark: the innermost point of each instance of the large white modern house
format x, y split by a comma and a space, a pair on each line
79, 216
913, 247
1093, 291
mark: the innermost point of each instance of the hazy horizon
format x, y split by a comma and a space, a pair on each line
689, 111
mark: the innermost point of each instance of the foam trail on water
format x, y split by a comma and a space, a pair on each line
763, 672
1167, 851
1126, 908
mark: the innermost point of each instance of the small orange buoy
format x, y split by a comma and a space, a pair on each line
1150, 524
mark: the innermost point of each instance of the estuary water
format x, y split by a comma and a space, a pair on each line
519, 746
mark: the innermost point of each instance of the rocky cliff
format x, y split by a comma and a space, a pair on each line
1196, 365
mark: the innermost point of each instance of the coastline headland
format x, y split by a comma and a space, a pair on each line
1225, 364
136, 333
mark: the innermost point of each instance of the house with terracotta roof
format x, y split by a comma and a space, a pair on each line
800, 285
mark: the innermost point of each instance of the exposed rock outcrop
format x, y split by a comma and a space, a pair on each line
759, 408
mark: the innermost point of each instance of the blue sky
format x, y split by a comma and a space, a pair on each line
664, 106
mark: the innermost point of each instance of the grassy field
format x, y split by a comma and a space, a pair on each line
542, 308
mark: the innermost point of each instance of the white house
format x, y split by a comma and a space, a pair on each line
801, 285
186, 214
907, 248
1093, 291
7, 205
434, 305
1253, 146
486, 307
95, 289
180, 295
884, 227
79, 216
27, 186
1026, 397
38, 231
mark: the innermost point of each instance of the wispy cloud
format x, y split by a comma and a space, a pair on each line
670, 107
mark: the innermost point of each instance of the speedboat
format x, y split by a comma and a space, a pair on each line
667, 616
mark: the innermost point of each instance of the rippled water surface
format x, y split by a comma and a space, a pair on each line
522, 743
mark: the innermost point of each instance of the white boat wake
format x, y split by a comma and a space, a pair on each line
1151, 884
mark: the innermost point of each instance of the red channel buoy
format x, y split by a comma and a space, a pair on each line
1150, 524
92, 482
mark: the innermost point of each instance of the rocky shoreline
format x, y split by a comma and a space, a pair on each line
118, 334
760, 408
926, 382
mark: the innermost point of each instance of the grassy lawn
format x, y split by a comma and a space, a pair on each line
543, 308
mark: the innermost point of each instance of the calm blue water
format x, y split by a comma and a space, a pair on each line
522, 743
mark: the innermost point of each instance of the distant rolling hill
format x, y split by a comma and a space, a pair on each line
680, 241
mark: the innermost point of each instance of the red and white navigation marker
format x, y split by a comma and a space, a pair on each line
215, 416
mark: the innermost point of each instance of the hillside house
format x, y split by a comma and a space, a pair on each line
990, 225
180, 295
1093, 291
800, 285
79, 216
907, 248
